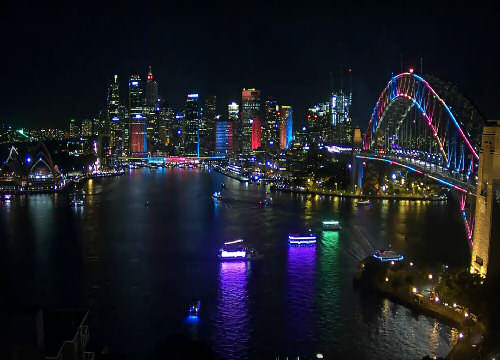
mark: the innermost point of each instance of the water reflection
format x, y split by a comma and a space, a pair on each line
232, 325
300, 298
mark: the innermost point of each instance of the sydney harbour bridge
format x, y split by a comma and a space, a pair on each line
427, 126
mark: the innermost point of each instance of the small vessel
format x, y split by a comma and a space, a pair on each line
331, 225
222, 186
266, 202
146, 204
307, 239
236, 250
217, 195
194, 308
364, 202
76, 202
387, 255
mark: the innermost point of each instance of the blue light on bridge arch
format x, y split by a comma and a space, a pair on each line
28, 159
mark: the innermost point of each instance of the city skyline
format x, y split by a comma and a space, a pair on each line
60, 85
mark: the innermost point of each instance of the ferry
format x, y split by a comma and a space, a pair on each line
76, 202
236, 250
308, 239
217, 195
194, 308
387, 255
364, 202
266, 202
331, 225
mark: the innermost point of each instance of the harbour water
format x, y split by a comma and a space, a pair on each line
137, 267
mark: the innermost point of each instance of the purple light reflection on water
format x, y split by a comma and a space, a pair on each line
232, 320
301, 270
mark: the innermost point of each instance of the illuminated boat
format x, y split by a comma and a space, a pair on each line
217, 195
308, 239
266, 202
76, 202
194, 308
236, 250
331, 225
364, 202
387, 255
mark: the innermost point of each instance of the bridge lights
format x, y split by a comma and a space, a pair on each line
411, 70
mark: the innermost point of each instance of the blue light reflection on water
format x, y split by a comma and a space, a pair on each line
232, 320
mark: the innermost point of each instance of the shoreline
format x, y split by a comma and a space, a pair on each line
463, 348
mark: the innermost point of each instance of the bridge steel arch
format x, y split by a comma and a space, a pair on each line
411, 119
437, 126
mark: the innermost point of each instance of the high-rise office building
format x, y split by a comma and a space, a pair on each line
250, 109
152, 109
114, 119
137, 121
256, 133
233, 110
286, 126
86, 128
271, 126
207, 126
74, 131
318, 122
223, 138
340, 108
151, 90
191, 128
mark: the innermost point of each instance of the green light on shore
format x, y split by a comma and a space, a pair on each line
21, 132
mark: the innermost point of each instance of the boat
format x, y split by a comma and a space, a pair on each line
364, 202
331, 225
236, 250
76, 202
146, 204
307, 239
387, 255
194, 308
217, 195
266, 202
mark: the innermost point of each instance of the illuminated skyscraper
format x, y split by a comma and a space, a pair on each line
233, 110
223, 138
286, 126
151, 90
114, 118
86, 128
152, 108
250, 109
256, 133
138, 140
74, 131
271, 133
190, 131
207, 127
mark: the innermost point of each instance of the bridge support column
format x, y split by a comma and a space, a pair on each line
486, 243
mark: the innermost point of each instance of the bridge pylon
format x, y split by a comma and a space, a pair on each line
486, 240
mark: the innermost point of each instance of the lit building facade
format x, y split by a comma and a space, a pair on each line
256, 133
223, 138
207, 126
272, 121
250, 109
74, 131
286, 126
190, 131
136, 119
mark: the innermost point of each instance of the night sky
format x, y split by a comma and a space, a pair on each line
56, 59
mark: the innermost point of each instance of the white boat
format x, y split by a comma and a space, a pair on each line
331, 225
76, 202
307, 239
364, 202
236, 250
387, 255
217, 195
